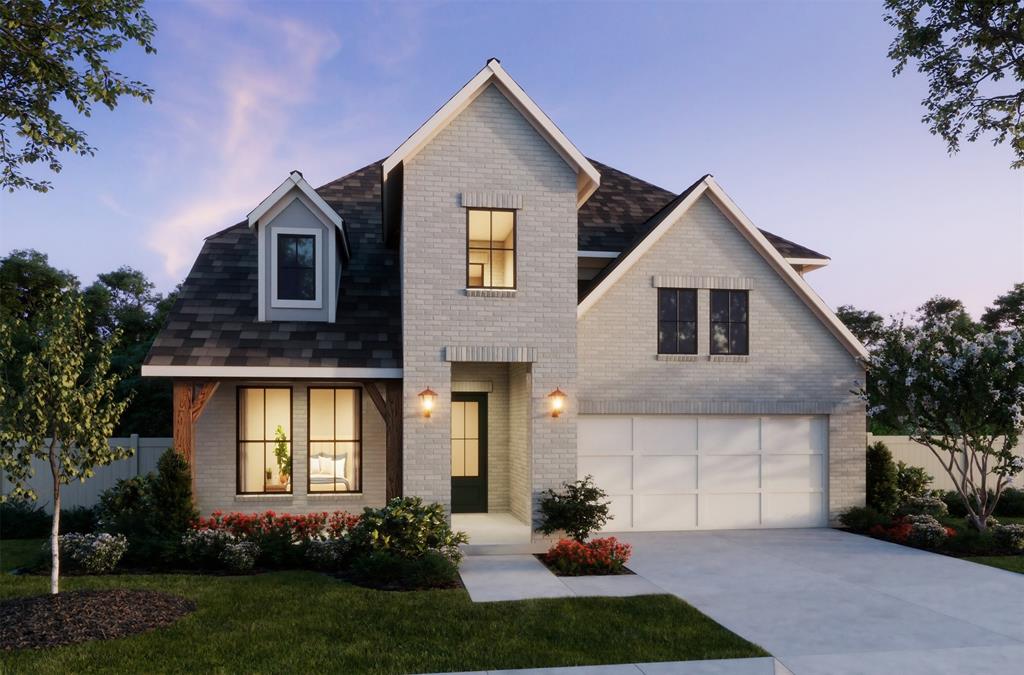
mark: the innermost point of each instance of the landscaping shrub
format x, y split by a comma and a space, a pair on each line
90, 553
328, 553
1009, 538
79, 519
388, 570
283, 540
971, 542
21, 519
863, 518
911, 482
170, 494
601, 556
578, 509
205, 548
923, 506
954, 503
239, 556
926, 532
882, 480
407, 527
1011, 503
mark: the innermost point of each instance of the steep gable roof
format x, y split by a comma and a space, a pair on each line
670, 214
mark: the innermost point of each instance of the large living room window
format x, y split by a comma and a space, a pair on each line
491, 248
264, 440
335, 445
677, 321
730, 332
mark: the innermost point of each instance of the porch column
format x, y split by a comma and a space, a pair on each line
390, 409
190, 399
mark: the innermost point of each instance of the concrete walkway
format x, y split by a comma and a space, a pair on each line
762, 666
831, 603
491, 578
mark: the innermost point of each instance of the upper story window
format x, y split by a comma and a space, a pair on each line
491, 248
297, 268
730, 332
677, 321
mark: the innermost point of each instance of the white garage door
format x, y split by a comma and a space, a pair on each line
684, 472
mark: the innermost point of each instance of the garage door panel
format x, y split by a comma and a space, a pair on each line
620, 512
730, 511
665, 434
665, 475
792, 472
730, 473
719, 435
666, 512
794, 510
611, 474
604, 435
792, 434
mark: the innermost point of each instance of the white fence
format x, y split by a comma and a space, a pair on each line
907, 451
147, 454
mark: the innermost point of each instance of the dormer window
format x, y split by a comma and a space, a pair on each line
296, 268
491, 248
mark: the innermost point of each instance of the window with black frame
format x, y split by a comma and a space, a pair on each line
490, 248
296, 267
677, 321
335, 444
264, 439
730, 322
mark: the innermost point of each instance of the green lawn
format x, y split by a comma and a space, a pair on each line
308, 622
1012, 563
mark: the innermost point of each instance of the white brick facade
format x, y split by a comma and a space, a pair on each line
795, 366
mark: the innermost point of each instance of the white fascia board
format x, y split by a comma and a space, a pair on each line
284, 372
295, 180
813, 263
588, 177
711, 187
598, 254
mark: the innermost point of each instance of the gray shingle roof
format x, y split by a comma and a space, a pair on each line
214, 321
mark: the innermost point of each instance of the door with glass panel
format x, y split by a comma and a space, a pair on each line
469, 453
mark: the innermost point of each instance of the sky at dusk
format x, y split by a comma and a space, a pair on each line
791, 106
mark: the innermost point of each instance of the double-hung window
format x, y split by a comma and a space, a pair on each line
730, 331
491, 248
297, 268
335, 444
677, 321
264, 440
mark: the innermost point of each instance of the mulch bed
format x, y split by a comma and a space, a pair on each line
79, 616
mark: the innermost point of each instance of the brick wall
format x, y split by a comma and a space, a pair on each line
216, 452
795, 364
488, 148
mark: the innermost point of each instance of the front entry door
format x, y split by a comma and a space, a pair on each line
469, 453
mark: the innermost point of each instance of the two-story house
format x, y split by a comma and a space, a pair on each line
487, 313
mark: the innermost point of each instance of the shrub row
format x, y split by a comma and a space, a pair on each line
599, 556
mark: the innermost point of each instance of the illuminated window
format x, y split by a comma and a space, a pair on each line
335, 448
491, 244
264, 439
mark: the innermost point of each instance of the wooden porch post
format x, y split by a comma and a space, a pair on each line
390, 410
190, 400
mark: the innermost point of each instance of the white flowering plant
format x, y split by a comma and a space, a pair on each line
93, 553
960, 394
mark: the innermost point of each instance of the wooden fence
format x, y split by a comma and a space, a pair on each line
147, 454
905, 450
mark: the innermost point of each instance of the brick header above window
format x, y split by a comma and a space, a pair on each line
724, 283
492, 200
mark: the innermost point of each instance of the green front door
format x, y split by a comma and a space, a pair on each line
469, 453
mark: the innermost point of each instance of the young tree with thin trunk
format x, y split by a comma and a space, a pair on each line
65, 409
961, 395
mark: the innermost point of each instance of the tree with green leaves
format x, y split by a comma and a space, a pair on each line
961, 396
54, 57
866, 325
942, 310
1007, 311
972, 52
66, 409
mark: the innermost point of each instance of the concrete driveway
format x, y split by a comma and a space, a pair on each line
823, 601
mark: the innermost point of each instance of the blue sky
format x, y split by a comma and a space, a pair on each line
791, 106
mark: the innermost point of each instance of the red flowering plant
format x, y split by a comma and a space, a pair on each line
282, 538
599, 556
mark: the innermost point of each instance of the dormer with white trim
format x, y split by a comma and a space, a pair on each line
301, 249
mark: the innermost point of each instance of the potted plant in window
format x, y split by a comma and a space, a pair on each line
282, 455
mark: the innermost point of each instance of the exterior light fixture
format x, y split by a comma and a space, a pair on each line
557, 402
427, 398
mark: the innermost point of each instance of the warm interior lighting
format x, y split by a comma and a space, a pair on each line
427, 398
557, 402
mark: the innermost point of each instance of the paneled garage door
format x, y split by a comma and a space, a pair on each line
683, 472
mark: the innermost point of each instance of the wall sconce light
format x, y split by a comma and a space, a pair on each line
427, 398
557, 402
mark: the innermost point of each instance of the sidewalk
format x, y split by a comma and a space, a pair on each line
761, 666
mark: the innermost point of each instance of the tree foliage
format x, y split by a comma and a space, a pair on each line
1007, 311
972, 52
866, 325
53, 60
66, 409
961, 396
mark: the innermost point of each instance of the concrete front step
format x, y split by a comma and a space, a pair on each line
524, 548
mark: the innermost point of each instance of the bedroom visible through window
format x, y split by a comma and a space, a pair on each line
264, 440
335, 439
